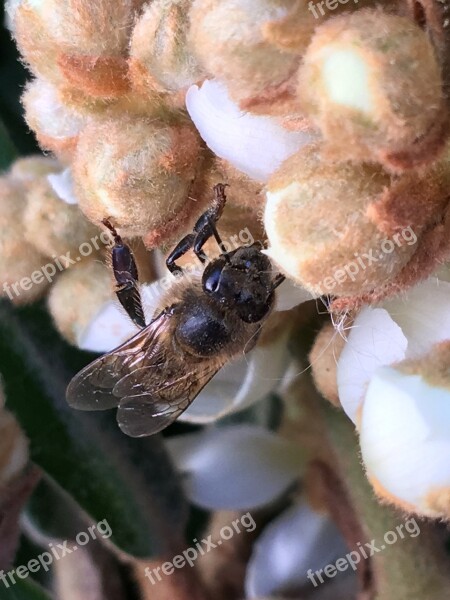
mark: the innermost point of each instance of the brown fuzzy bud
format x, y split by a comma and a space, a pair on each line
76, 41
233, 41
29, 168
22, 280
55, 124
55, 227
323, 359
160, 58
345, 228
137, 172
371, 82
77, 296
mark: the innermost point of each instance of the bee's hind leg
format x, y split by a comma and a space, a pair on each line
126, 276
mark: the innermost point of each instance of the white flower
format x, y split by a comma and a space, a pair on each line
299, 541
255, 145
403, 327
405, 441
236, 467
62, 185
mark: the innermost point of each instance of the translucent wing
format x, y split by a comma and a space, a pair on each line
152, 408
150, 380
92, 388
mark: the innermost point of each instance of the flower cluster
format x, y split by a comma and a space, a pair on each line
332, 131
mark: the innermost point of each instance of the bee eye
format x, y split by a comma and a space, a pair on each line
211, 283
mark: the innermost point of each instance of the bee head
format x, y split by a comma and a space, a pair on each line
242, 281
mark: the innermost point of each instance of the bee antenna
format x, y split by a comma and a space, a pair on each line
107, 223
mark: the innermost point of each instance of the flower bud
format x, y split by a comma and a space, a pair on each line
405, 440
77, 42
323, 359
371, 82
232, 42
22, 280
77, 296
138, 173
346, 228
57, 228
56, 125
160, 58
29, 168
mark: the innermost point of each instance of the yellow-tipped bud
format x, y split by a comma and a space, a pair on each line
371, 82
160, 58
137, 172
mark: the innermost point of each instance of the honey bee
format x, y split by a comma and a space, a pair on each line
205, 322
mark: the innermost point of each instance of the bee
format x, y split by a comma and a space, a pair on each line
205, 322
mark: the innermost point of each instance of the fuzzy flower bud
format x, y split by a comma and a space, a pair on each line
233, 42
55, 227
77, 42
20, 263
137, 172
346, 228
323, 360
55, 124
372, 83
29, 168
160, 58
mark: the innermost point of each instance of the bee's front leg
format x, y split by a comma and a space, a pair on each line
126, 275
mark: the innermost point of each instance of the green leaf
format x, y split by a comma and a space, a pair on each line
23, 589
129, 482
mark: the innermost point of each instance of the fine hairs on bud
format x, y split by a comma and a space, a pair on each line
334, 226
77, 296
55, 124
323, 360
137, 172
372, 84
78, 42
160, 57
231, 41
52, 225
20, 262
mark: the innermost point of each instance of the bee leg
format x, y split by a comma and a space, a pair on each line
126, 276
180, 249
278, 280
204, 228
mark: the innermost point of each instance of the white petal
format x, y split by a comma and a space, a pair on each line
241, 383
254, 145
290, 294
423, 313
235, 468
298, 540
62, 184
110, 327
405, 436
374, 340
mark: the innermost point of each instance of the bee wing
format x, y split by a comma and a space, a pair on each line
93, 387
150, 408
